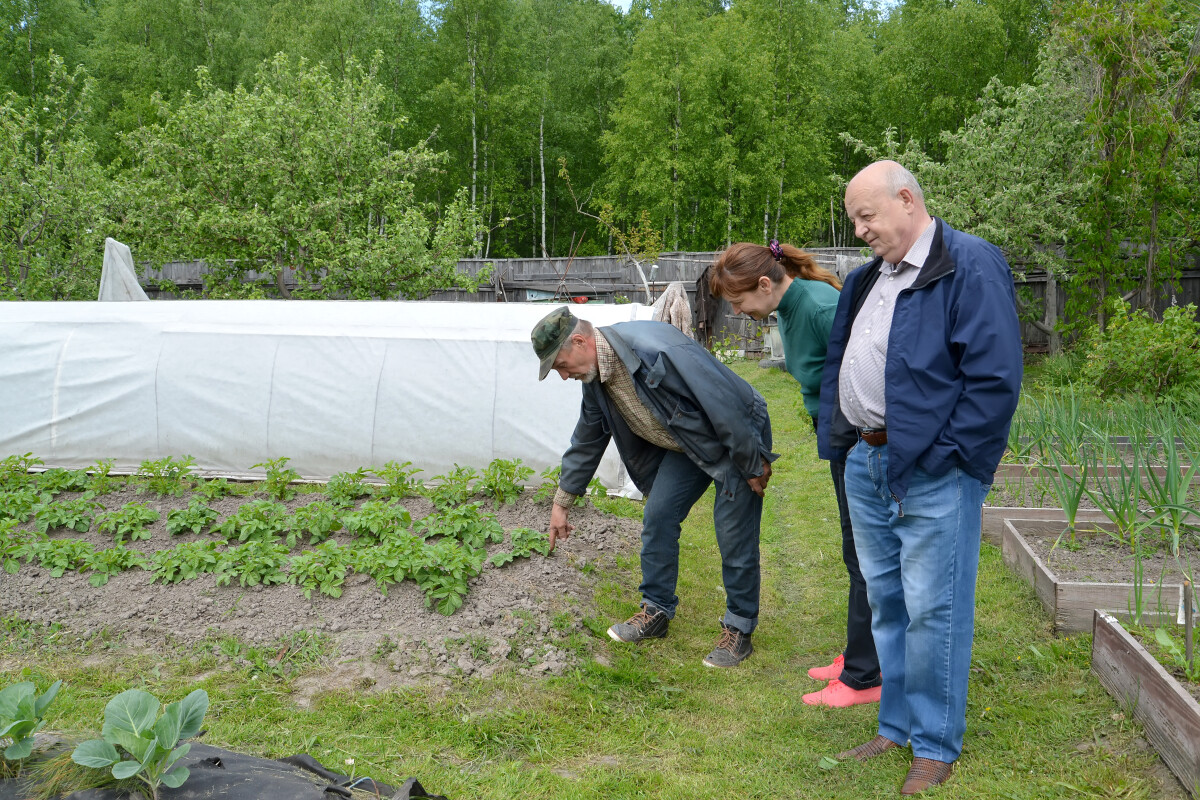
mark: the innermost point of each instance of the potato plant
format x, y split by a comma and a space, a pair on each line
444, 571
318, 520
457, 487
193, 519
105, 563
398, 480
61, 555
184, 561
131, 519
166, 476
503, 480
278, 483
466, 523
56, 481
376, 520
256, 521
73, 515
18, 503
345, 488
14, 471
17, 544
390, 561
253, 563
323, 568
525, 542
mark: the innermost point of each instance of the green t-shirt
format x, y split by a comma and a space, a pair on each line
805, 318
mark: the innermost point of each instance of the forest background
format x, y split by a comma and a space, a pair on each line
369, 144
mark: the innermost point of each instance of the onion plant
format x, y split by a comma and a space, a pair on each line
1117, 491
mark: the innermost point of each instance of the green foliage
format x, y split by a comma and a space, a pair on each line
193, 519
256, 521
344, 488
74, 514
318, 520
549, 485
103, 564
147, 740
55, 481
14, 471
1139, 355
296, 170
253, 563
1178, 654
21, 716
525, 541
466, 523
323, 568
443, 572
16, 544
184, 561
100, 482
456, 487
166, 476
131, 520
390, 561
399, 481
18, 503
278, 484
54, 197
377, 521
503, 480
61, 555
214, 489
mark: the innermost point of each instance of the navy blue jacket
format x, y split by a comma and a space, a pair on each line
718, 419
953, 369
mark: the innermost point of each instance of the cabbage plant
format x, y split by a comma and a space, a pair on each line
21, 710
147, 740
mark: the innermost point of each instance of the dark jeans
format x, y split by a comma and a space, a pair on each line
677, 486
861, 667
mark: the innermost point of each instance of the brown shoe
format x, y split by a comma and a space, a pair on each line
878, 745
926, 773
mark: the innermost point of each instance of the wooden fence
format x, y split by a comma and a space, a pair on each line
611, 279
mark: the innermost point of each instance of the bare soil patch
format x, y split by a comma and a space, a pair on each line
523, 615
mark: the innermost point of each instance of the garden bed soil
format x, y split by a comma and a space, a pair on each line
519, 616
1096, 574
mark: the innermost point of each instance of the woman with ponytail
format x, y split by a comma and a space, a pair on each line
780, 278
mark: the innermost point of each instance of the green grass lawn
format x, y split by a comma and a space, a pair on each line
651, 721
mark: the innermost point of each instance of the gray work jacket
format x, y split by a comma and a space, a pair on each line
718, 419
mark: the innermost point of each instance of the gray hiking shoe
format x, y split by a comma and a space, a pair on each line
649, 623
732, 648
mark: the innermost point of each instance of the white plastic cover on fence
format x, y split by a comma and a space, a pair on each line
118, 278
333, 386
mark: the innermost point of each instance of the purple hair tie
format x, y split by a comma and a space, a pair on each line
776, 250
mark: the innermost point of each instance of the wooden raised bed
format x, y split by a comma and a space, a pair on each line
1071, 603
994, 516
1169, 714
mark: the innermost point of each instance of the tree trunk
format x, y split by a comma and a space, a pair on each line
542, 162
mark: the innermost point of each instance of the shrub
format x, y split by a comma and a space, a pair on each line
1138, 355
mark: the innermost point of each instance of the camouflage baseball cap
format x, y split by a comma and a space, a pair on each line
548, 337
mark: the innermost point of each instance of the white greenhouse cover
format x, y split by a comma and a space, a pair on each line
332, 385
118, 278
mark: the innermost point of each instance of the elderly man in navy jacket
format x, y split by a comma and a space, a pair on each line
681, 420
921, 381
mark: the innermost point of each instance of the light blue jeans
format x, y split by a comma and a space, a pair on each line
678, 484
920, 570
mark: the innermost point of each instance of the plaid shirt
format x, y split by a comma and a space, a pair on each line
615, 379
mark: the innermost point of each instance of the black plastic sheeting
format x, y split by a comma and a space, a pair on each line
221, 773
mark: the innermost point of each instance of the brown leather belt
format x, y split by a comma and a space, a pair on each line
876, 437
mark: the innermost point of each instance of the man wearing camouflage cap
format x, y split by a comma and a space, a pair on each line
681, 420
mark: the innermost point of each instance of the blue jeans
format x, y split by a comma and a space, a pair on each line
920, 570
678, 484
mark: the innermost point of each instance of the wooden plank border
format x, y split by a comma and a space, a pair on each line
1170, 716
1071, 603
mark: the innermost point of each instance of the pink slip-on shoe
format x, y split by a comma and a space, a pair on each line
834, 670
839, 695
